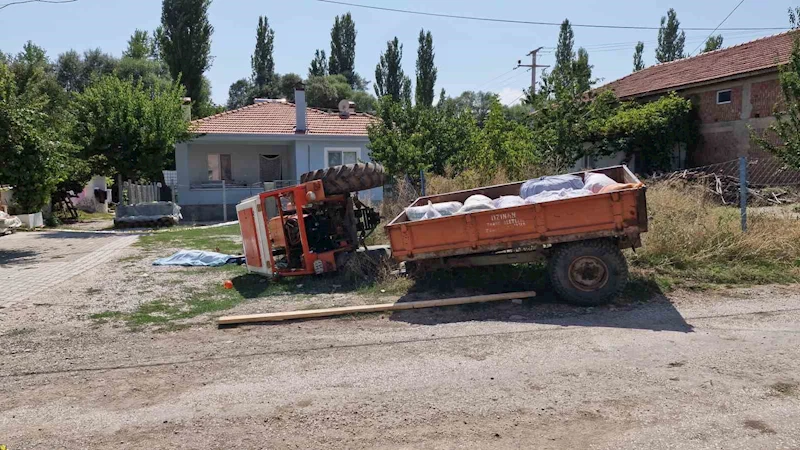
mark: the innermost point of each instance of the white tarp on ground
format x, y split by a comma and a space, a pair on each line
141, 212
8, 223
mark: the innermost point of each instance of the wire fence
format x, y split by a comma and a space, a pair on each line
746, 181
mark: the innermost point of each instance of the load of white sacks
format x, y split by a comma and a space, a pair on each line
539, 190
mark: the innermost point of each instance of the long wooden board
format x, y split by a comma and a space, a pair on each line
397, 306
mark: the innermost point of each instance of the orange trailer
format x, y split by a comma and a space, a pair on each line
581, 238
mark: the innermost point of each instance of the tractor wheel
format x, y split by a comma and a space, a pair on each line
347, 178
588, 273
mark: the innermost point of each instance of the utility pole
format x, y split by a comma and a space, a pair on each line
533, 67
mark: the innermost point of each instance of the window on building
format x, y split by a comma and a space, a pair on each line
337, 156
219, 167
723, 97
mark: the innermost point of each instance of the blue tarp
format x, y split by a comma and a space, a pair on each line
197, 258
551, 183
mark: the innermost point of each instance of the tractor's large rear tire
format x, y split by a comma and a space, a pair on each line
347, 178
588, 273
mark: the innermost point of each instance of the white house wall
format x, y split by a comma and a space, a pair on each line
310, 155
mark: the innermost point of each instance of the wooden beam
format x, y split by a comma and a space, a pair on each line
397, 306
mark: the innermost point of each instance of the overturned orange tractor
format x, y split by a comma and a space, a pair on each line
312, 228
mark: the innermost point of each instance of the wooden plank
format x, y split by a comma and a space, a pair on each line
397, 306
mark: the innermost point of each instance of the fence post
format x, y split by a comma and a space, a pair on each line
743, 190
119, 189
422, 181
224, 204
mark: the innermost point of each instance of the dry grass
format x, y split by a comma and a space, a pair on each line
692, 239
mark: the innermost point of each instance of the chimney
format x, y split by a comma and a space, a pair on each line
300, 108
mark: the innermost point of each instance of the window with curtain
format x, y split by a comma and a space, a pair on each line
337, 157
219, 167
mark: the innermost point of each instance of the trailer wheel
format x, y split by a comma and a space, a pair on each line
347, 178
588, 273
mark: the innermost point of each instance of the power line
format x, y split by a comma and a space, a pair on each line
530, 22
21, 2
512, 101
720, 24
495, 78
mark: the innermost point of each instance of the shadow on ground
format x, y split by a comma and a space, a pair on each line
642, 306
11, 257
251, 285
71, 235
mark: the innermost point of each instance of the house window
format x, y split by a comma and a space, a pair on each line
723, 97
219, 167
337, 156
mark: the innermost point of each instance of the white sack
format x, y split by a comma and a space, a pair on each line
596, 181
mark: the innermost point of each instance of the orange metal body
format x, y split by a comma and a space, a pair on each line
297, 196
616, 214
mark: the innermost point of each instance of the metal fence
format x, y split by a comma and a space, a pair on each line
226, 193
133, 193
745, 181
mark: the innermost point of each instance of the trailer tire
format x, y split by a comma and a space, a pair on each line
588, 273
347, 178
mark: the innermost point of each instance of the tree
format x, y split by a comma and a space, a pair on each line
426, 69
582, 71
564, 49
477, 103
319, 65
506, 144
129, 130
342, 59
139, 46
69, 71
240, 93
155, 43
570, 70
327, 92
407, 139
262, 60
287, 85
713, 43
670, 38
638, 63
389, 75
149, 71
782, 138
34, 153
186, 44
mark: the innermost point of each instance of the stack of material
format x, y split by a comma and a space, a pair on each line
726, 188
8, 223
539, 190
151, 214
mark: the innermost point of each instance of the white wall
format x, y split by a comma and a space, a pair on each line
298, 157
311, 156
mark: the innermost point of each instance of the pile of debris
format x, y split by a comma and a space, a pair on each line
725, 188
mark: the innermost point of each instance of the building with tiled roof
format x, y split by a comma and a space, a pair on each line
261, 146
734, 89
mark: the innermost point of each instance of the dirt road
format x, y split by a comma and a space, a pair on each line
698, 371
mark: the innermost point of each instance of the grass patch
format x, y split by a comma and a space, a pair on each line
694, 243
84, 216
225, 239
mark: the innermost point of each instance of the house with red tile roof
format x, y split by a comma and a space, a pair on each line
265, 145
733, 89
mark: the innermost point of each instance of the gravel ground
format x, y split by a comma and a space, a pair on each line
693, 371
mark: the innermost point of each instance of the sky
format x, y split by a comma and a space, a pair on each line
470, 55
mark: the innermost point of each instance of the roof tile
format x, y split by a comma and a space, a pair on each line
279, 118
760, 54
